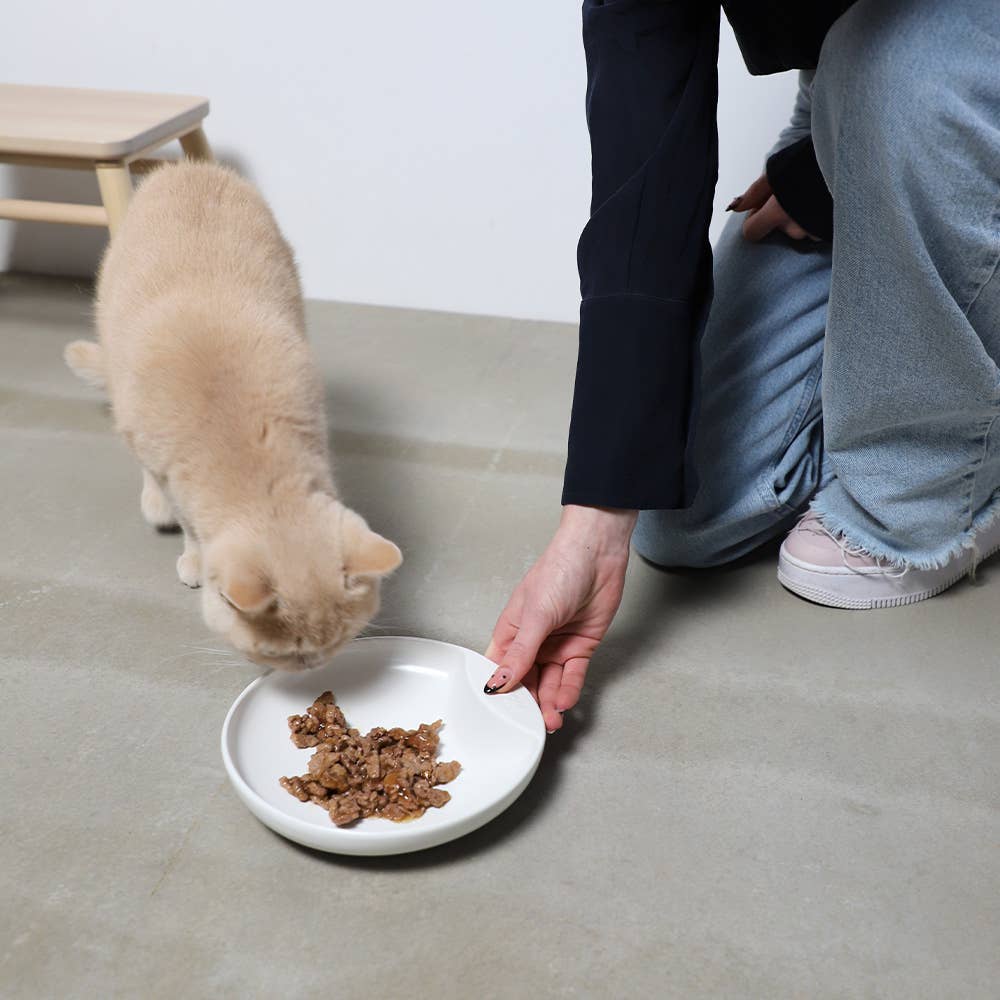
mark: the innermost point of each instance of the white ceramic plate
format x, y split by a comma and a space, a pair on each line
387, 681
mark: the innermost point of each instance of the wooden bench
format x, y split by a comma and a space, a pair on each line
110, 132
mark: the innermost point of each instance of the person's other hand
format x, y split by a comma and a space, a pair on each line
559, 612
765, 214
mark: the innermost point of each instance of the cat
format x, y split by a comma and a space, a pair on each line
201, 347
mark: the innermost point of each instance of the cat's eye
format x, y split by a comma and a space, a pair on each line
272, 605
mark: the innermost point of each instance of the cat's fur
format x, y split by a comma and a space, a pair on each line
202, 350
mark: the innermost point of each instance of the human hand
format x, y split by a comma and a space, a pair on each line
765, 214
559, 612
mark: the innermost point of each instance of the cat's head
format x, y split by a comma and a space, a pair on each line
289, 594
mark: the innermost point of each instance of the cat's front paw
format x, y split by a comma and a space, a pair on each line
189, 569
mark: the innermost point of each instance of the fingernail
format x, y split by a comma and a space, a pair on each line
496, 682
734, 203
561, 711
551, 732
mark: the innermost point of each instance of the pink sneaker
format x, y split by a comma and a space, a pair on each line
825, 568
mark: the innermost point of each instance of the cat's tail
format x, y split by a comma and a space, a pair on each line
86, 360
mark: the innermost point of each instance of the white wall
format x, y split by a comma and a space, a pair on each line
429, 155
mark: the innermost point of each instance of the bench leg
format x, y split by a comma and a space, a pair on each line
115, 183
195, 145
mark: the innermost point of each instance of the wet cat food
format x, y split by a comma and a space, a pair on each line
390, 773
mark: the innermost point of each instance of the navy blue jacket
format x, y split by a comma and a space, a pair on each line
644, 257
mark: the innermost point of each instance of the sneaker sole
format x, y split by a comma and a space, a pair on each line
788, 577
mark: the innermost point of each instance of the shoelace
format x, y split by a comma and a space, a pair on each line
817, 527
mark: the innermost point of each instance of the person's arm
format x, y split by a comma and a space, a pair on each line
791, 195
644, 257
645, 274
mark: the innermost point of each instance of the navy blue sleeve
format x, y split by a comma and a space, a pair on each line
644, 256
799, 186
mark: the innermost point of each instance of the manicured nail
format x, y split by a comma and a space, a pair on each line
496, 682
551, 732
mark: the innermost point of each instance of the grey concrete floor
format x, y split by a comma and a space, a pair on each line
756, 798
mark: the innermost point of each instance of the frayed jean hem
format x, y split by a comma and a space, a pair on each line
925, 559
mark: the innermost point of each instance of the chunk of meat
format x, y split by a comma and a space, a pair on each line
388, 773
446, 771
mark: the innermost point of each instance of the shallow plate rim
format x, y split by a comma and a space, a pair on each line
392, 842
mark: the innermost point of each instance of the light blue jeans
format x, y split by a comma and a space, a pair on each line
864, 377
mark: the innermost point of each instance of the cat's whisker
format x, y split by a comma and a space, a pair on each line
179, 656
375, 621
379, 623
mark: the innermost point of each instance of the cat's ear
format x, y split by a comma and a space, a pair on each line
247, 591
366, 553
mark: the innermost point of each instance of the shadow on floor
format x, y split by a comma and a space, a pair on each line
655, 599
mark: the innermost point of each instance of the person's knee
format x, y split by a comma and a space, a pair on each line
724, 525
671, 540
661, 540
880, 86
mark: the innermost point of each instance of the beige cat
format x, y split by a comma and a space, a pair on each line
202, 350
